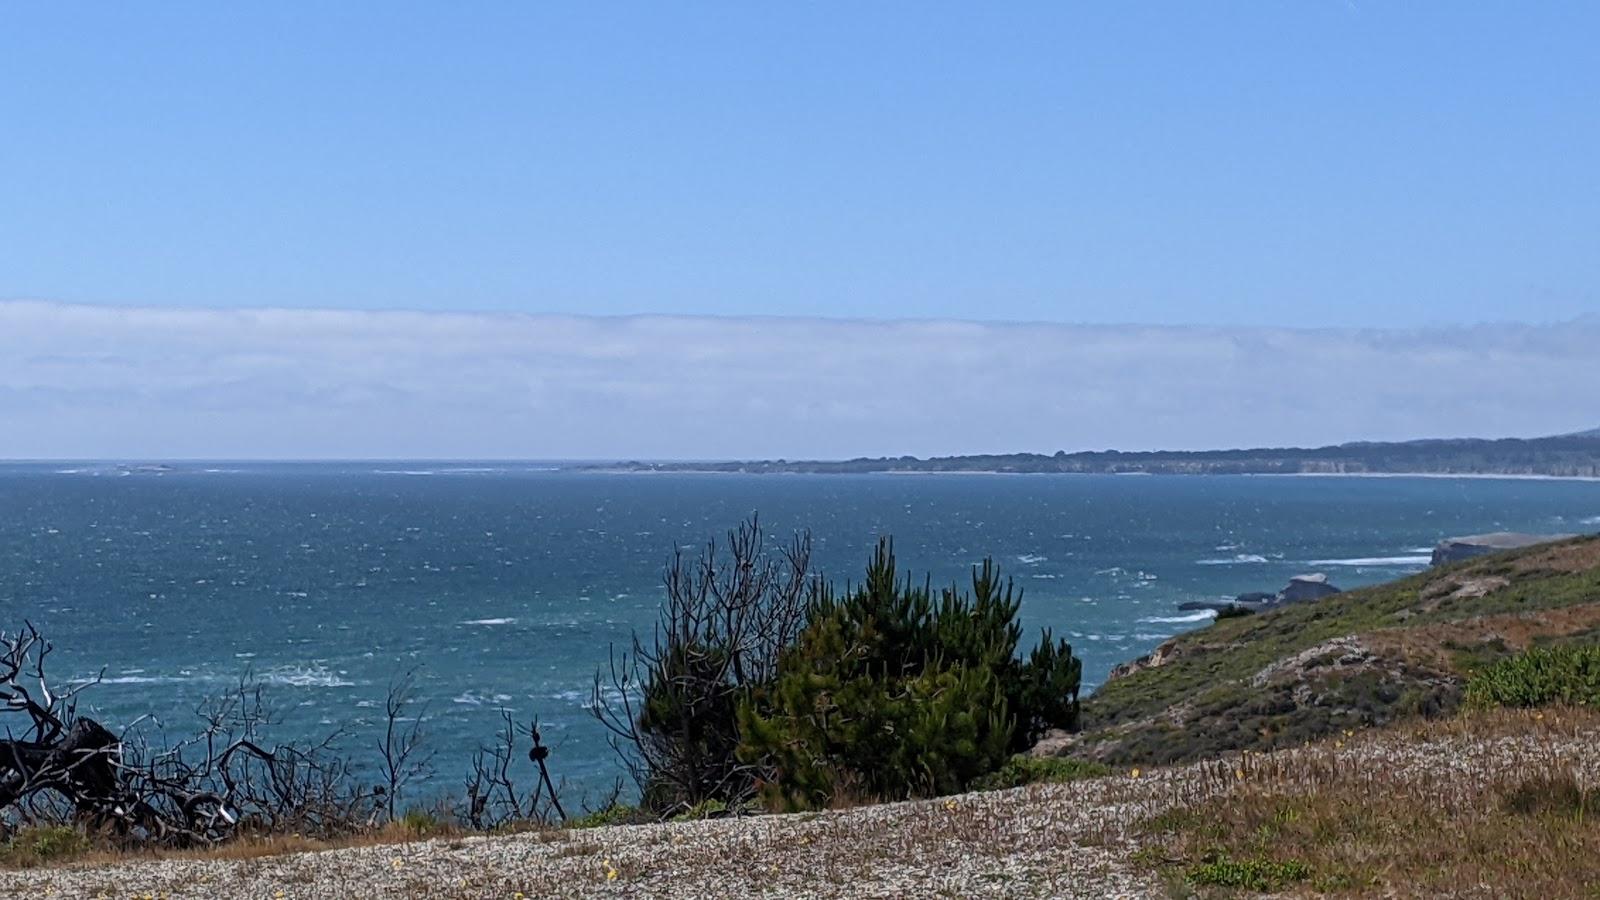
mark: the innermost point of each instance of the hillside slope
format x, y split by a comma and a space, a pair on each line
1363, 658
1405, 812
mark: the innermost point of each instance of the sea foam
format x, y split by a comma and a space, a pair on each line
1200, 616
1237, 559
1375, 561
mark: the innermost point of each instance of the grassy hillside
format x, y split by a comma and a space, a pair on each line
1363, 658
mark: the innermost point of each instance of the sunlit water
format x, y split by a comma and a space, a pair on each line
504, 586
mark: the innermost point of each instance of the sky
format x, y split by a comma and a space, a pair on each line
254, 216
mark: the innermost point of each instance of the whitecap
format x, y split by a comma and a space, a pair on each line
1199, 616
305, 676
1592, 520
1236, 559
1375, 561
509, 620
1030, 559
142, 679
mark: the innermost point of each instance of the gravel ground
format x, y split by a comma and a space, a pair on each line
1055, 840
1067, 840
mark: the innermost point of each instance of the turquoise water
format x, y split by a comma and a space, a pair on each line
505, 585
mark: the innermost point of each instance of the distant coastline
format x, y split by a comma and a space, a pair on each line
1572, 456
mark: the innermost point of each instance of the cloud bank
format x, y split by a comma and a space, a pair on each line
152, 383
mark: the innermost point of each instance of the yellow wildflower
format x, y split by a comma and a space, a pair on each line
611, 871
1134, 774
1239, 774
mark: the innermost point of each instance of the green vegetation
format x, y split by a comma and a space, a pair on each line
43, 844
1371, 815
1023, 769
710, 809
611, 814
893, 691
422, 822
1542, 676
767, 683
1360, 659
1257, 874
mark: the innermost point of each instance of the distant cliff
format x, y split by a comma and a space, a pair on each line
1575, 455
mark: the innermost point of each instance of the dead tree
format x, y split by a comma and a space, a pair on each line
60, 766
670, 705
493, 797
402, 757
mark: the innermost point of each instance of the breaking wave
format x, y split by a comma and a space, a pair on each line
1237, 559
1375, 561
1199, 616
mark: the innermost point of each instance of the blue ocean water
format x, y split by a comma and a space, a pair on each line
505, 585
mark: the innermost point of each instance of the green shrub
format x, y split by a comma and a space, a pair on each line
44, 844
421, 822
1257, 874
1537, 677
890, 693
1023, 769
614, 814
709, 809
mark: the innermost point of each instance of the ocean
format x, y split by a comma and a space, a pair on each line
504, 585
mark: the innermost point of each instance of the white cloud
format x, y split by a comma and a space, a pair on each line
108, 382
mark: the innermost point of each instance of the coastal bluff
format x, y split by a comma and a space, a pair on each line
1363, 658
1456, 549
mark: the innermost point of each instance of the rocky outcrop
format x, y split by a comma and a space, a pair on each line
1456, 549
1160, 656
1300, 589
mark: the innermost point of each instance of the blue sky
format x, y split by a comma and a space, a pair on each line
1299, 164
740, 230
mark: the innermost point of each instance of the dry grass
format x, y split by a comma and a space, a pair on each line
1577, 555
91, 850
1431, 644
1501, 804
1493, 804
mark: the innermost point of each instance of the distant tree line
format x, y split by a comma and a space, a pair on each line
1576, 455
